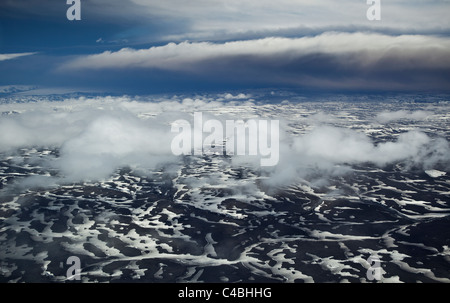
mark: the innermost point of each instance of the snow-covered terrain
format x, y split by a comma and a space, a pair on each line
95, 178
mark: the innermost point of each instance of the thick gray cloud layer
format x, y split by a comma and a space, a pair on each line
208, 18
300, 43
329, 60
365, 50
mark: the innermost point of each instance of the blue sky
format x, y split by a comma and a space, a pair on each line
144, 46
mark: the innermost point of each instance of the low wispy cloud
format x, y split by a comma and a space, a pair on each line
96, 137
4, 57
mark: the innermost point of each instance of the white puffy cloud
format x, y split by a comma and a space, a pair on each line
111, 141
331, 151
94, 137
327, 144
385, 117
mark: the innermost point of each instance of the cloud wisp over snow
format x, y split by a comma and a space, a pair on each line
386, 117
96, 137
